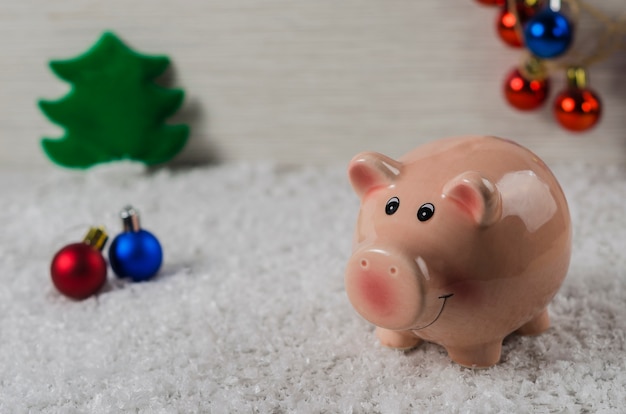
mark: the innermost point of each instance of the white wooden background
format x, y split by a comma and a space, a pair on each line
304, 81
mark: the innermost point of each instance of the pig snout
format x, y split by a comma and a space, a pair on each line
385, 288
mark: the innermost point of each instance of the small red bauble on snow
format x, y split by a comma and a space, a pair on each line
78, 270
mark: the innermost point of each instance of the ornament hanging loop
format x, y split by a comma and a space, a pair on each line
533, 68
130, 219
577, 77
96, 237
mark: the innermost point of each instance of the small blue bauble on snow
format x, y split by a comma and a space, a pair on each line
135, 253
548, 34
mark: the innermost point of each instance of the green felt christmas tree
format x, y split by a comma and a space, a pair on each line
114, 109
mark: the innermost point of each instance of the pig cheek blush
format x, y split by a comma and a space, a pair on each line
377, 294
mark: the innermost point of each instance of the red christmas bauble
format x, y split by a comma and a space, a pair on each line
577, 109
492, 2
505, 25
525, 94
78, 270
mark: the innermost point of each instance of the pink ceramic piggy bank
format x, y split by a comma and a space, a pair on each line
461, 242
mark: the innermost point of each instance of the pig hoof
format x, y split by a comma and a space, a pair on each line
403, 340
477, 356
536, 325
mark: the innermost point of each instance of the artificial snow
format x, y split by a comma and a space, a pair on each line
249, 312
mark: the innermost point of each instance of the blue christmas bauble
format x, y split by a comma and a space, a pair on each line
548, 34
136, 254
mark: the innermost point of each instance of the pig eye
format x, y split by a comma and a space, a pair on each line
425, 212
392, 205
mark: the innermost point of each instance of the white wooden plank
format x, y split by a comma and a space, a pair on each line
302, 81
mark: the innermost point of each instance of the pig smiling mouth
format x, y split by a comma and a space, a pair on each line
443, 304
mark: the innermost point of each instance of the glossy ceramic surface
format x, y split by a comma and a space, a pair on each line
461, 242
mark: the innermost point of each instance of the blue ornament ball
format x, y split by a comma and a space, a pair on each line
136, 254
548, 34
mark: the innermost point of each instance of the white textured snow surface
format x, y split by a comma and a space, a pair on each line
249, 313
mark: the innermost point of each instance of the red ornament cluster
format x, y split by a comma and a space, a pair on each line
527, 87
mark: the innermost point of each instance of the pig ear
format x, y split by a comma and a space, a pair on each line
475, 195
368, 170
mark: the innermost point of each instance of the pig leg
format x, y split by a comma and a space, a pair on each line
397, 339
477, 356
536, 325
